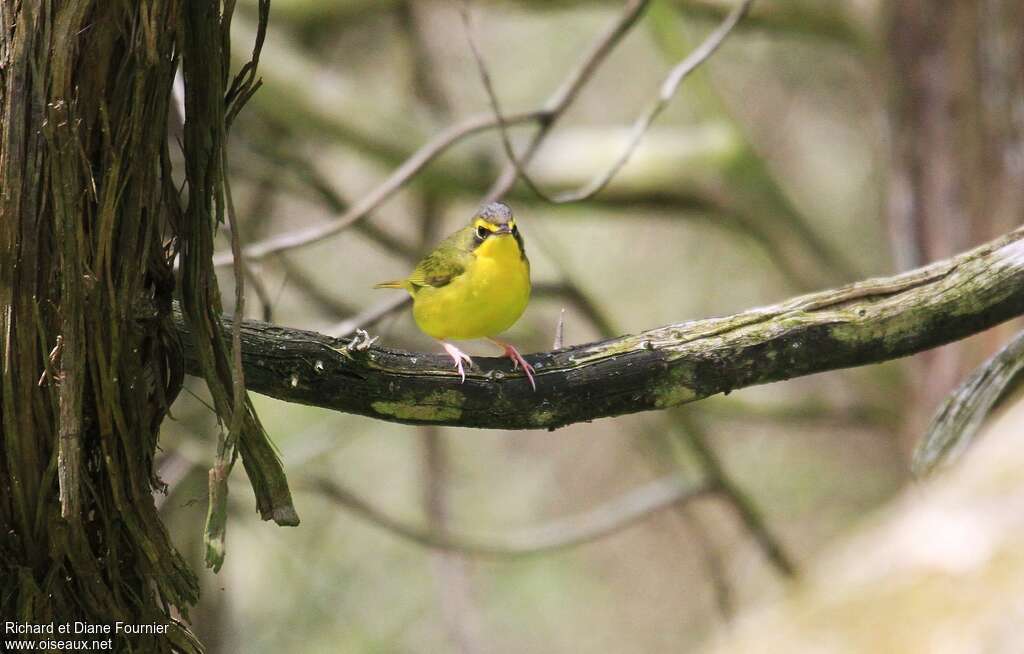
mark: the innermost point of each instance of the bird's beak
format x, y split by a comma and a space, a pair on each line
504, 229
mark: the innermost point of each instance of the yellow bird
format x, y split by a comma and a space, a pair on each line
475, 284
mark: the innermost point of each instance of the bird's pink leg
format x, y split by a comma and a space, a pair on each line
458, 356
517, 359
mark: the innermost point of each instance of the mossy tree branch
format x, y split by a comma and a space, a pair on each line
863, 323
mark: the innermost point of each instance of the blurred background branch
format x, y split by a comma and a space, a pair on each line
596, 523
640, 126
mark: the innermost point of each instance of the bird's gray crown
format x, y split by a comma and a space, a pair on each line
496, 213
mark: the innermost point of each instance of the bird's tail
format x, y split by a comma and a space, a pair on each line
394, 284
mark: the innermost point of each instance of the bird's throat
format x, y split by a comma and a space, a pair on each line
504, 249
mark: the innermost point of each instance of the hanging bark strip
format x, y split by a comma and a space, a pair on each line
85, 301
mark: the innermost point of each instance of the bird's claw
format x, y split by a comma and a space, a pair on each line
458, 356
518, 361
361, 341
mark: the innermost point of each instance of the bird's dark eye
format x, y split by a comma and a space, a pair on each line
515, 230
482, 232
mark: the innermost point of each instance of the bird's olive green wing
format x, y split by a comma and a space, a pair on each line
448, 260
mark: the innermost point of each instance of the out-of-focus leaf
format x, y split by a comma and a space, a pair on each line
957, 422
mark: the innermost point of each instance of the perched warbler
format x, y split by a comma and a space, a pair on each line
474, 284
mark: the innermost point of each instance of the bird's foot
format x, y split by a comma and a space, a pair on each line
458, 356
517, 360
361, 341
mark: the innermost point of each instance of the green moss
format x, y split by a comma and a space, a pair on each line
854, 334
436, 407
542, 417
674, 395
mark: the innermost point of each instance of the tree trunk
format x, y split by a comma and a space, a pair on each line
90, 223
957, 125
90, 360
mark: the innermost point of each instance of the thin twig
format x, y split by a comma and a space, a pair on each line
395, 182
238, 406
369, 317
722, 483
312, 179
326, 301
245, 83
243, 86
262, 294
668, 90
559, 331
711, 557
567, 92
605, 520
259, 207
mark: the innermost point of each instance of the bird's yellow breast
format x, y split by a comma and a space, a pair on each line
484, 300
